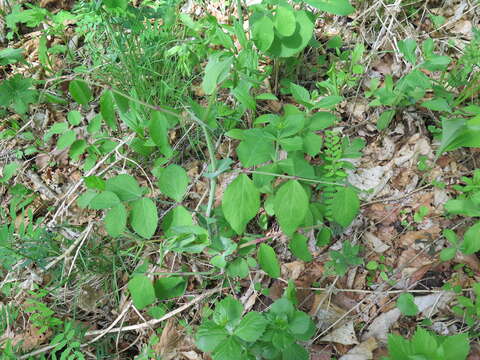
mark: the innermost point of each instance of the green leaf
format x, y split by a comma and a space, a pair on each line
471, 240
437, 104
251, 327
116, 220
144, 217
336, 7
290, 206
122, 102
66, 139
191, 239
300, 94
11, 56
447, 254
262, 33
16, 92
406, 304
173, 182
321, 121
407, 47
142, 291
295, 352
124, 186
423, 343
292, 45
384, 119
228, 311
299, 247
74, 117
84, 199
300, 323
253, 151
240, 202
158, 128
104, 200
268, 260
178, 216
456, 346
170, 287
345, 206
312, 143
107, 109
80, 92
284, 21
237, 268
216, 71
9, 171
437, 63
113, 4
229, 350
209, 335
329, 102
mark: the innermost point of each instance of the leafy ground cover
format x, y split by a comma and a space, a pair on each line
239, 180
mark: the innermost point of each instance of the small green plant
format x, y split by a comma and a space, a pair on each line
342, 260
427, 345
467, 204
67, 343
41, 316
270, 335
420, 214
406, 304
469, 309
123, 198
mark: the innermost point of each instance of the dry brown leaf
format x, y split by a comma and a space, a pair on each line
363, 351
170, 338
344, 335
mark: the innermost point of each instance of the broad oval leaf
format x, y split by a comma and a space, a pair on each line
66, 139
158, 128
80, 91
104, 200
262, 33
116, 220
144, 217
178, 216
240, 202
471, 240
107, 109
336, 7
267, 259
173, 182
284, 21
291, 45
253, 151
299, 247
216, 71
406, 305
170, 287
345, 206
290, 206
142, 291
124, 186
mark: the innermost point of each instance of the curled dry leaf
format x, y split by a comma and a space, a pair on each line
168, 345
375, 243
325, 311
344, 335
363, 351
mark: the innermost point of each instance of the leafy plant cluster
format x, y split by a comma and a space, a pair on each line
273, 334
293, 165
